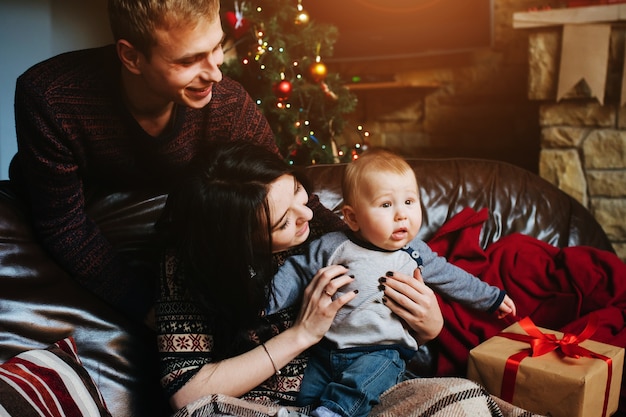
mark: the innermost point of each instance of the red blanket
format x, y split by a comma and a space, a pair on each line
556, 288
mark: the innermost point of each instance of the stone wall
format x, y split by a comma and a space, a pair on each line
479, 107
583, 143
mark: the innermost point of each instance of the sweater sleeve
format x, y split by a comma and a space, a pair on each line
46, 171
296, 273
455, 284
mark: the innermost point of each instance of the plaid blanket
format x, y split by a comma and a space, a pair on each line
422, 397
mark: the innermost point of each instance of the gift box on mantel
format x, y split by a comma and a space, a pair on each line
550, 373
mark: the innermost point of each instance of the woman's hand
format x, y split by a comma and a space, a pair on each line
415, 303
255, 366
318, 307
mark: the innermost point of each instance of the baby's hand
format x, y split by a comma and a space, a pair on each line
507, 307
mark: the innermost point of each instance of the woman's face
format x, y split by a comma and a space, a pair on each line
289, 214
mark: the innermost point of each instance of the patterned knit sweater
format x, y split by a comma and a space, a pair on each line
75, 135
186, 335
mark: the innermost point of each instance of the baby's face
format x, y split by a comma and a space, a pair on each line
387, 210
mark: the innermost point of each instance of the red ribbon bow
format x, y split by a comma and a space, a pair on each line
542, 343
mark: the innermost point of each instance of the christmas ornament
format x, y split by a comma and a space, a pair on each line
236, 21
302, 17
282, 90
318, 71
329, 93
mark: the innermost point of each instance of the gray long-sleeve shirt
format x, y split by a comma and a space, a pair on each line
366, 320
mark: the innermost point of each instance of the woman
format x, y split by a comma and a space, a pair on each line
230, 223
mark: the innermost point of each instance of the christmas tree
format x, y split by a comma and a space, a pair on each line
277, 52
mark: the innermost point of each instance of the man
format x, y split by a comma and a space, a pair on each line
131, 114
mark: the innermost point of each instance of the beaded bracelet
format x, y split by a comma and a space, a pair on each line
276, 370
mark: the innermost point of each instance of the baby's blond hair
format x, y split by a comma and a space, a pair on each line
370, 161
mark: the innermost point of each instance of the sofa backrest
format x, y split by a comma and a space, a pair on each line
517, 199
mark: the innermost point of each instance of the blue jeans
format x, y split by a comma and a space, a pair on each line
349, 382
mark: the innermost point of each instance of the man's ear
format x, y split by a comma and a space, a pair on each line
349, 216
129, 56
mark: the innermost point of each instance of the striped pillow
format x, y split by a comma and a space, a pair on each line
49, 382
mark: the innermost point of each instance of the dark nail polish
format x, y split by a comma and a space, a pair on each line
382, 279
384, 299
356, 291
381, 287
389, 274
351, 276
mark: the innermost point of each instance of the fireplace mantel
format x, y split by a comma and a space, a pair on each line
577, 73
574, 15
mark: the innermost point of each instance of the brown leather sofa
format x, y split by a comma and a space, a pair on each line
40, 304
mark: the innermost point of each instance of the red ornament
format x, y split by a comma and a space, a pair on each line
318, 71
282, 90
238, 23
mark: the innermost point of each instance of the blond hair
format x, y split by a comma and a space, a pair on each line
137, 20
371, 161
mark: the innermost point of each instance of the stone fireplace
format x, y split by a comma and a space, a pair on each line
583, 130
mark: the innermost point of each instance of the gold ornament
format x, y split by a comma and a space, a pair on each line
318, 71
302, 18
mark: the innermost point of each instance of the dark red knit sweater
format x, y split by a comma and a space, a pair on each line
75, 135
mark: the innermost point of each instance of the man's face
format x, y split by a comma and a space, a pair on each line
185, 63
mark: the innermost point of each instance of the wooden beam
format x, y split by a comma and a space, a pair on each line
392, 85
571, 15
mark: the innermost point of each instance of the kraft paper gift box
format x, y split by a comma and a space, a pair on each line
552, 381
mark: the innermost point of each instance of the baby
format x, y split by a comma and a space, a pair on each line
364, 352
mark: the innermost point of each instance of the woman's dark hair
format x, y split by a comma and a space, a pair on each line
218, 221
